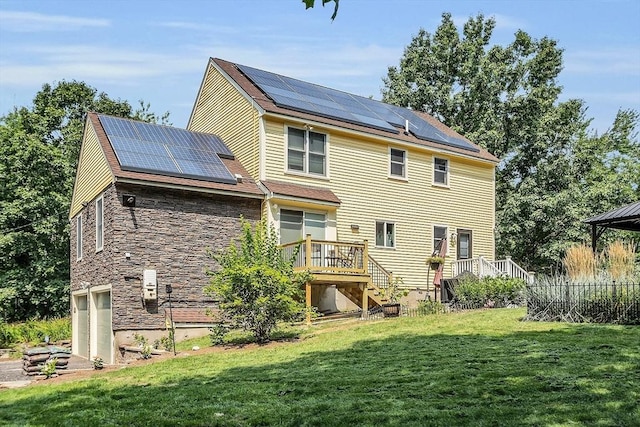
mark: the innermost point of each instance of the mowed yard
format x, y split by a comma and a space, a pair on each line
477, 368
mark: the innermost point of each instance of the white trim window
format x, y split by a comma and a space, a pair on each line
79, 237
385, 234
99, 223
439, 234
397, 163
440, 171
306, 152
295, 225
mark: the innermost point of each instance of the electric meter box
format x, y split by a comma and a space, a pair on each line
149, 285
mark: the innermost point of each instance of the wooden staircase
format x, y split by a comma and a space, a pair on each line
348, 266
379, 280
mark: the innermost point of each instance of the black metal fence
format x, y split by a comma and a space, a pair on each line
608, 302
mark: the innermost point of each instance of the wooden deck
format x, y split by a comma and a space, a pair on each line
348, 266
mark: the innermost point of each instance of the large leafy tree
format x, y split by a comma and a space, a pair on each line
39, 149
505, 98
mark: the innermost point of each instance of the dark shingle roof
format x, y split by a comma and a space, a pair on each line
248, 187
231, 69
625, 218
279, 188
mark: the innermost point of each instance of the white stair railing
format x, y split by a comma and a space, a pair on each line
511, 269
484, 268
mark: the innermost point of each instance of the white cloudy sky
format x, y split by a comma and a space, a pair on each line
157, 50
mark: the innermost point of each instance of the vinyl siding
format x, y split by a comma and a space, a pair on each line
220, 109
359, 176
93, 174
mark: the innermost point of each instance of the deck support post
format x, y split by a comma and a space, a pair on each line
365, 299
307, 286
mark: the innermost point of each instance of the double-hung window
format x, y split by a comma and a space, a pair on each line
99, 223
385, 234
397, 163
307, 152
440, 171
79, 237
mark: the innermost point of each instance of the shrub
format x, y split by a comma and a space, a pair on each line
256, 285
34, 331
427, 307
217, 333
490, 291
143, 343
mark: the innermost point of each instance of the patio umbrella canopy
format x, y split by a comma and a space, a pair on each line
624, 218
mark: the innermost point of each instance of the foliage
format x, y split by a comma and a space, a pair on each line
554, 173
142, 342
98, 362
217, 333
434, 260
492, 369
427, 307
39, 149
256, 285
393, 292
49, 368
490, 291
580, 262
165, 342
310, 3
34, 331
621, 259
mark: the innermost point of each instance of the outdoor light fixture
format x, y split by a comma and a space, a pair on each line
129, 201
355, 227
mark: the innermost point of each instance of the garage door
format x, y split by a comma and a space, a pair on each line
82, 326
103, 326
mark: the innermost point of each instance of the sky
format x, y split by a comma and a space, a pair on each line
157, 51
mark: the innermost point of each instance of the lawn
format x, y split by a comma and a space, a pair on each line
480, 368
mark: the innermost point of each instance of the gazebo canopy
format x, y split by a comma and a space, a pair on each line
624, 218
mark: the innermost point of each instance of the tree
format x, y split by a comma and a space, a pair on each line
39, 148
256, 284
506, 100
311, 3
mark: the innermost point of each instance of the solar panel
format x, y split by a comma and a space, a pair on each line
331, 103
163, 150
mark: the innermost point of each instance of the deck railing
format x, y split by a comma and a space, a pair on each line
325, 256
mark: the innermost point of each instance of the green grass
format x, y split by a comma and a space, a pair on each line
482, 368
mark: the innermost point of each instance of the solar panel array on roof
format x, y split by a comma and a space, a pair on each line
146, 147
330, 103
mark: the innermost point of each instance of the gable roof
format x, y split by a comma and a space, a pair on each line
103, 154
246, 187
253, 92
624, 218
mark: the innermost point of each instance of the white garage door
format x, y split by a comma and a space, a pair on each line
82, 326
103, 325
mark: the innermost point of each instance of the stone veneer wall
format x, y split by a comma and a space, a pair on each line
168, 231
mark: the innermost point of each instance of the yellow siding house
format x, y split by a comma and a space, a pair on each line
355, 175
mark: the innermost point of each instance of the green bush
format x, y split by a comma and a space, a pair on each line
490, 291
256, 284
34, 332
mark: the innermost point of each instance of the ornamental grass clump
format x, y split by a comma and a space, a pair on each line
620, 260
580, 262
